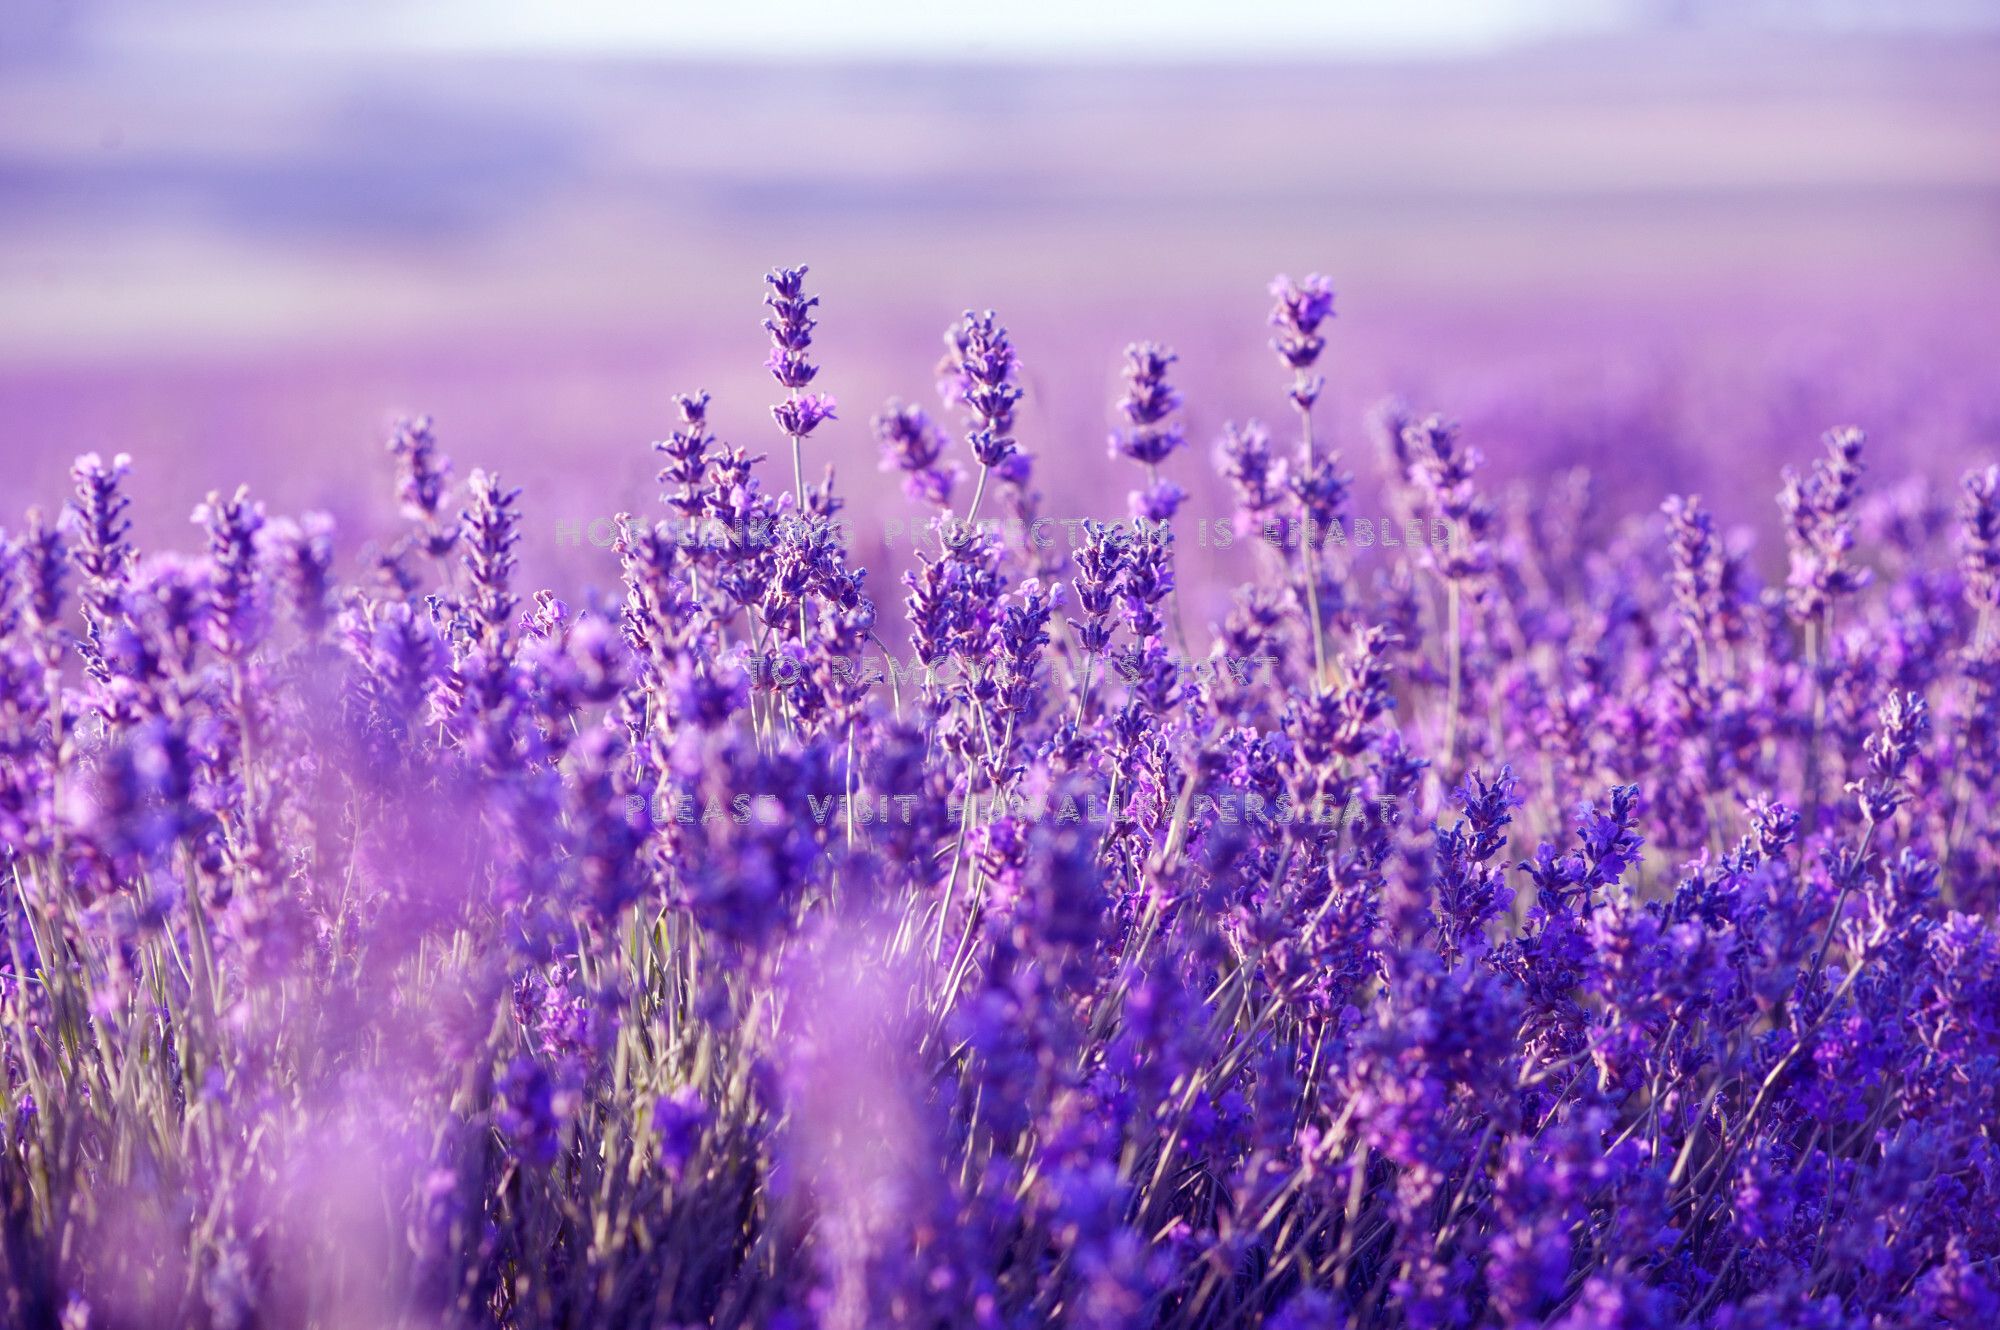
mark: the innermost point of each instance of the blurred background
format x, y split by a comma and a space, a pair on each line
1671, 241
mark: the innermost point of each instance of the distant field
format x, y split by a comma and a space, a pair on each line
241, 273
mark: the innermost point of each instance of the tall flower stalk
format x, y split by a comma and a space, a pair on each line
1443, 468
1301, 308
791, 325
1818, 508
978, 374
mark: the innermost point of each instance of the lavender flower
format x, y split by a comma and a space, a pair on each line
1245, 459
679, 1119
1443, 469
526, 1112
912, 444
490, 530
978, 373
238, 610
1470, 893
1300, 310
101, 552
424, 483
301, 552
460, 954
1151, 435
791, 326
687, 456
1697, 564
1979, 511
803, 414
1819, 523
1905, 723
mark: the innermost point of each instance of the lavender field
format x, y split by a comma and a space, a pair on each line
1534, 935
1467, 804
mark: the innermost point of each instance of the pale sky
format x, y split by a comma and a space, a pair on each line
1015, 27
1094, 30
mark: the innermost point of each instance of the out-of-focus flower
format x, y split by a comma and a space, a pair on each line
1819, 525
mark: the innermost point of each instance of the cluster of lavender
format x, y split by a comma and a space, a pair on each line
1652, 980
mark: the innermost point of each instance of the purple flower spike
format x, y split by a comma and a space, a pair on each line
1819, 526
679, 1119
102, 552
237, 614
1905, 722
688, 452
1979, 515
423, 484
1302, 307
912, 444
490, 529
1246, 460
1148, 403
978, 373
525, 1110
791, 326
1158, 502
802, 415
